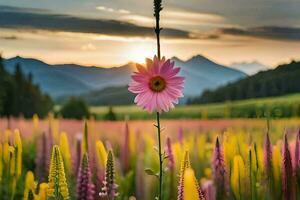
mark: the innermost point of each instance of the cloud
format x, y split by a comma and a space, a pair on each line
10, 37
18, 18
188, 16
267, 32
138, 19
121, 11
178, 18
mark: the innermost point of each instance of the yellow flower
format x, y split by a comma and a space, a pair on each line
101, 154
57, 183
201, 142
1, 162
208, 173
177, 149
18, 150
5, 153
190, 185
35, 120
132, 143
276, 164
65, 151
7, 134
185, 163
12, 160
43, 191
85, 140
30, 186
54, 127
238, 176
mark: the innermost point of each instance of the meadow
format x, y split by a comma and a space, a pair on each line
222, 159
276, 107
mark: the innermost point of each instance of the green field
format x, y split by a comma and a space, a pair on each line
275, 107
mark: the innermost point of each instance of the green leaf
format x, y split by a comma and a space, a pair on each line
150, 172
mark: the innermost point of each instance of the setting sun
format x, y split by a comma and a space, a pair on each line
141, 51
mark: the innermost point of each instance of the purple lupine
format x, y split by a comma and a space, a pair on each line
125, 154
297, 152
41, 158
208, 190
78, 139
268, 155
140, 172
49, 145
85, 187
180, 135
109, 189
287, 172
170, 155
220, 179
171, 167
268, 168
297, 163
139, 177
100, 176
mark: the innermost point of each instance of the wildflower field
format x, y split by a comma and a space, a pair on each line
237, 154
213, 159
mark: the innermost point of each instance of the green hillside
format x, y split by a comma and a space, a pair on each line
110, 96
276, 107
276, 82
106, 96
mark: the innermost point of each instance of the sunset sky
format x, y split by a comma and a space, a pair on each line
113, 32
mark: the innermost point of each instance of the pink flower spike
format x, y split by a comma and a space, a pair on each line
158, 86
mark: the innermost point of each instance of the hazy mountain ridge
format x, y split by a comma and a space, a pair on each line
69, 79
202, 73
281, 80
74, 80
249, 68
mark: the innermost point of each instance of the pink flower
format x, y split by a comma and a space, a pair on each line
158, 86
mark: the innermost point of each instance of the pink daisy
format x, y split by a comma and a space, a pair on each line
158, 86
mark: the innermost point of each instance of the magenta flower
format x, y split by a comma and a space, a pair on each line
287, 172
297, 163
171, 161
157, 87
297, 152
268, 156
209, 192
85, 187
180, 135
42, 157
220, 176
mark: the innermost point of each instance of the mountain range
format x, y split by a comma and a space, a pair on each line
74, 80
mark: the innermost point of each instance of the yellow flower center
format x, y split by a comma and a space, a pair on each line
157, 84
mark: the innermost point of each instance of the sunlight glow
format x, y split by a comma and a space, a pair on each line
140, 51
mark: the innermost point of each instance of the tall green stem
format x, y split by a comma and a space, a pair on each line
157, 9
160, 156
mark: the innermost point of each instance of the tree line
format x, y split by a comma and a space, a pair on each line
276, 82
19, 96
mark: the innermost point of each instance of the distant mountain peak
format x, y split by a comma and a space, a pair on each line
198, 58
18, 58
176, 59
